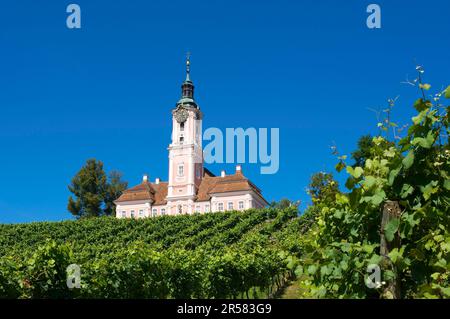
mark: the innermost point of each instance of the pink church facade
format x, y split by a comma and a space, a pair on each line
191, 188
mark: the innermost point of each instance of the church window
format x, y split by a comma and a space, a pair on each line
241, 205
220, 207
182, 127
230, 205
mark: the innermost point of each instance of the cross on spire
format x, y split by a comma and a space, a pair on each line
188, 65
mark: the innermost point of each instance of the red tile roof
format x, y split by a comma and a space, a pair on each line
143, 191
210, 184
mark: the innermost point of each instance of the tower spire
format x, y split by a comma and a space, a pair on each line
187, 88
188, 66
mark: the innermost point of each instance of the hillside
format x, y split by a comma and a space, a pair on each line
220, 255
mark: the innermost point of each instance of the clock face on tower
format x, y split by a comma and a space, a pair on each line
181, 115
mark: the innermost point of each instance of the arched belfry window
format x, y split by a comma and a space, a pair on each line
182, 127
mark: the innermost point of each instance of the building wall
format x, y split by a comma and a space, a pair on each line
232, 201
140, 209
219, 202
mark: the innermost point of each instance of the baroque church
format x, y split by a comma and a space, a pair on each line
191, 187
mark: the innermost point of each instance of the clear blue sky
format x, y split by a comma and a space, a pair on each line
311, 68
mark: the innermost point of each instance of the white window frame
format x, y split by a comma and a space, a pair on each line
132, 213
230, 206
220, 207
207, 208
124, 214
163, 211
141, 213
241, 204
154, 212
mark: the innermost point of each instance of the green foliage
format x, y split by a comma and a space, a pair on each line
322, 187
365, 144
94, 194
447, 92
284, 203
345, 237
220, 255
114, 189
391, 228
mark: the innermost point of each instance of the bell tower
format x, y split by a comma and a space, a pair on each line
185, 150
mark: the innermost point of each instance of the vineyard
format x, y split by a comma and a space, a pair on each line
220, 255
392, 221
394, 218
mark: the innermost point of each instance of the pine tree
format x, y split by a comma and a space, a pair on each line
114, 189
89, 187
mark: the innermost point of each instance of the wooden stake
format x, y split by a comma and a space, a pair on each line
391, 210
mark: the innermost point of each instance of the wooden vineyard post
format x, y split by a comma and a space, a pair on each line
391, 210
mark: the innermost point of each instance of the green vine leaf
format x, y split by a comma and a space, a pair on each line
391, 228
356, 172
406, 190
447, 92
340, 166
408, 160
426, 142
396, 254
420, 105
376, 199
430, 189
447, 184
393, 174
419, 118
446, 291
369, 181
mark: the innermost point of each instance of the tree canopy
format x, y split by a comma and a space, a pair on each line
93, 193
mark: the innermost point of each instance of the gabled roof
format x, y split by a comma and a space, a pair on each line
231, 183
143, 191
210, 185
160, 193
